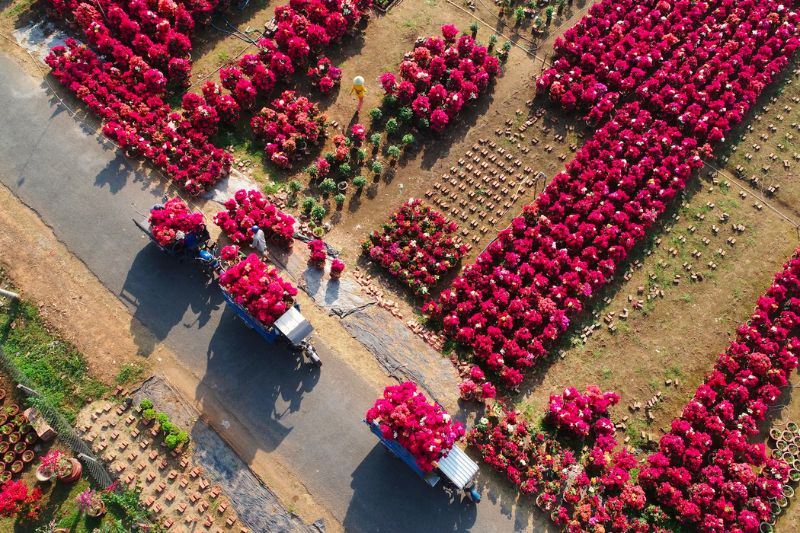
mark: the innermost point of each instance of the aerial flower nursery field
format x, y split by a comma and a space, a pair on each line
591, 209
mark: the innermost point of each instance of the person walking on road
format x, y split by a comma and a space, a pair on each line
359, 90
259, 241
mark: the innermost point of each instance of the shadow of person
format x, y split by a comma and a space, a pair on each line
260, 382
331, 291
388, 496
161, 288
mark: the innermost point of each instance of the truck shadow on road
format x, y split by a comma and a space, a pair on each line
388, 496
258, 383
160, 289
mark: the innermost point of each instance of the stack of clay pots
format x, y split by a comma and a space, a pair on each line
17, 438
786, 446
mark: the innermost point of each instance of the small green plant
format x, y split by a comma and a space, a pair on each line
149, 414
360, 181
492, 43
376, 114
390, 101
339, 199
375, 139
146, 404
473, 29
548, 14
295, 186
519, 14
318, 212
327, 186
377, 167
312, 171
162, 418
392, 126
407, 139
405, 114
393, 152
308, 204
345, 169
330, 158
361, 154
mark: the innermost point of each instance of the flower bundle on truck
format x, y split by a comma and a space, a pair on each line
423, 435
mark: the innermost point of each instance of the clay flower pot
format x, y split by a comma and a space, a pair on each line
5, 475
14, 438
6, 429
42, 476
17, 466
793, 427
775, 433
4, 446
12, 410
28, 456
2, 394
20, 447
77, 470
30, 438
788, 491
97, 512
9, 457
3, 419
26, 428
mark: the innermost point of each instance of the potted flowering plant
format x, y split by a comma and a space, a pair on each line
57, 464
337, 267
318, 256
91, 503
17, 499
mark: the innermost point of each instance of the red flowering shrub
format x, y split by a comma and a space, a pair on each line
318, 255
707, 472
259, 289
424, 429
417, 246
437, 81
325, 75
174, 217
251, 208
337, 267
579, 415
16, 499
288, 126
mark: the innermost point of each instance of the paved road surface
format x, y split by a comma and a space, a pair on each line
311, 420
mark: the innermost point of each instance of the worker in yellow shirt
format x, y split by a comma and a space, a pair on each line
359, 90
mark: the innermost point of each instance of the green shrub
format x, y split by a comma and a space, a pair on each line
171, 441
360, 181
376, 114
327, 186
339, 199
392, 126
345, 169
377, 167
408, 139
394, 152
295, 186
375, 139
361, 154
162, 418
390, 101
149, 414
308, 204
312, 170
405, 114
146, 404
318, 212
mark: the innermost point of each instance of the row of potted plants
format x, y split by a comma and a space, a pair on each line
691, 64
140, 125
174, 437
17, 438
418, 245
707, 472
439, 77
520, 295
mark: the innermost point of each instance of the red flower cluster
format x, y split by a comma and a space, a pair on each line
438, 78
251, 208
707, 472
174, 217
259, 289
141, 124
519, 295
337, 267
417, 246
579, 415
424, 429
700, 64
290, 125
590, 491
